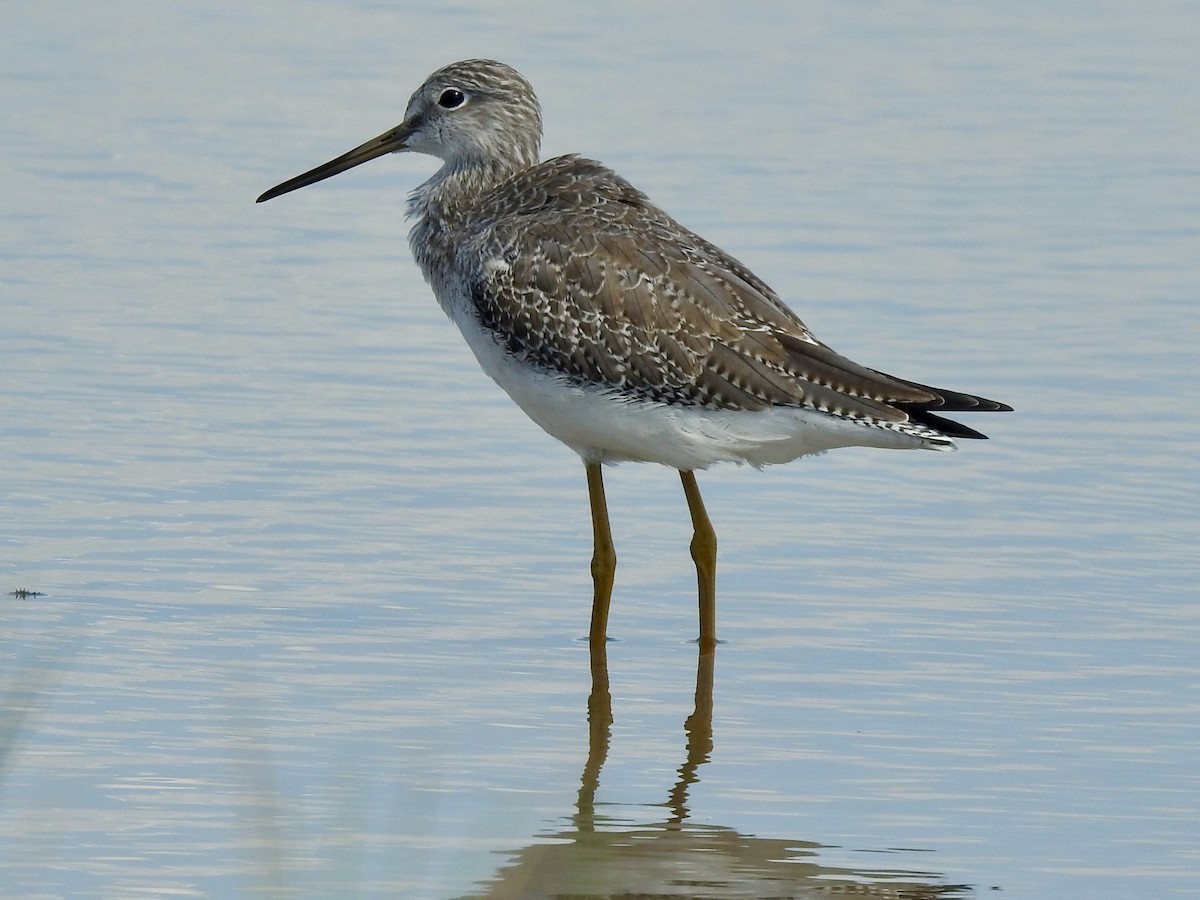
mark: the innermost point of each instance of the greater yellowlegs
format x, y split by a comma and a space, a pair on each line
616, 329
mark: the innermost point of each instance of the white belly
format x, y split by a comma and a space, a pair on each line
603, 427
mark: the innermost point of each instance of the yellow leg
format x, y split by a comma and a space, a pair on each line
604, 559
704, 553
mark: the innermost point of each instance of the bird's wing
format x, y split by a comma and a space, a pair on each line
578, 273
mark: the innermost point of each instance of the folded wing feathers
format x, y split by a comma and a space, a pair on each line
646, 307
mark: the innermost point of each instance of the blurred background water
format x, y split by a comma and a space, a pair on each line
310, 590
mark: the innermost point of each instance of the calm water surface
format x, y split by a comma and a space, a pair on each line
311, 591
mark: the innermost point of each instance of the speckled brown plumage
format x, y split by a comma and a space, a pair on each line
620, 332
598, 284
575, 272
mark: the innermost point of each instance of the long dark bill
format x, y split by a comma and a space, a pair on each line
388, 142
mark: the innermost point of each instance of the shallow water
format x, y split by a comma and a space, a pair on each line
311, 591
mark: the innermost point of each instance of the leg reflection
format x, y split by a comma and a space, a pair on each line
698, 730
599, 732
621, 854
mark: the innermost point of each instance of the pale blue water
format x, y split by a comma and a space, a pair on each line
312, 589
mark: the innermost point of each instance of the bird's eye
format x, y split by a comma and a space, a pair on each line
452, 98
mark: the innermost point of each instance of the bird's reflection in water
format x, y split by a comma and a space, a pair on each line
601, 858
